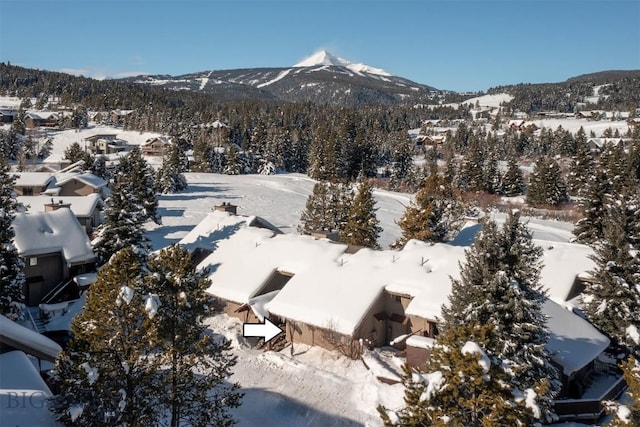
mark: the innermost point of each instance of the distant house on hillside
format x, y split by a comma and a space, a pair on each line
54, 247
156, 146
106, 143
7, 115
596, 145
38, 119
118, 116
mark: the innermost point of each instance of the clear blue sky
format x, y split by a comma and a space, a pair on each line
459, 45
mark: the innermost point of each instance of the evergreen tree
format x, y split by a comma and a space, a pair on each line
135, 173
74, 153
546, 185
232, 160
12, 280
317, 215
362, 227
434, 216
582, 167
589, 228
472, 171
98, 167
460, 385
195, 365
105, 375
612, 298
170, 176
512, 182
628, 415
499, 285
122, 227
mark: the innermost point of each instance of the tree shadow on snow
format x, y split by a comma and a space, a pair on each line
266, 408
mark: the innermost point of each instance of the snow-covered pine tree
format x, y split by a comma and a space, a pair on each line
512, 181
499, 285
461, 385
628, 414
362, 226
12, 278
491, 175
134, 172
74, 153
472, 171
582, 166
232, 161
317, 213
105, 375
546, 185
122, 227
327, 208
434, 216
170, 177
589, 228
99, 168
402, 166
612, 299
195, 365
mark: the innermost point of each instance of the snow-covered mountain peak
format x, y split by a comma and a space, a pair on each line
325, 58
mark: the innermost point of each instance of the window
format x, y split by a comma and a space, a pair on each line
397, 298
27, 191
33, 261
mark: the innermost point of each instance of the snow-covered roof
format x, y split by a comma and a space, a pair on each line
58, 231
42, 115
220, 225
337, 295
81, 206
23, 393
24, 339
243, 264
562, 262
86, 178
33, 179
573, 341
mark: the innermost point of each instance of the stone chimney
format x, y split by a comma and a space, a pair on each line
226, 207
53, 206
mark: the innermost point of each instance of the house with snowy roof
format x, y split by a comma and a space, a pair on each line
156, 146
55, 248
77, 184
36, 119
220, 225
323, 295
7, 115
32, 183
106, 143
23, 392
87, 209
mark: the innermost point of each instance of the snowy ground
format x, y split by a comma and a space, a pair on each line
314, 387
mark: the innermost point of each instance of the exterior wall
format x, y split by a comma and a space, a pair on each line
48, 271
156, 148
29, 190
423, 327
246, 316
372, 330
76, 188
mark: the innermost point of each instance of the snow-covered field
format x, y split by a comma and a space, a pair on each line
314, 387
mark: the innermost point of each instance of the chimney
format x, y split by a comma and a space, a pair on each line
226, 207
53, 206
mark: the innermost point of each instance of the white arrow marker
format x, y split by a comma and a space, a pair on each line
266, 330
